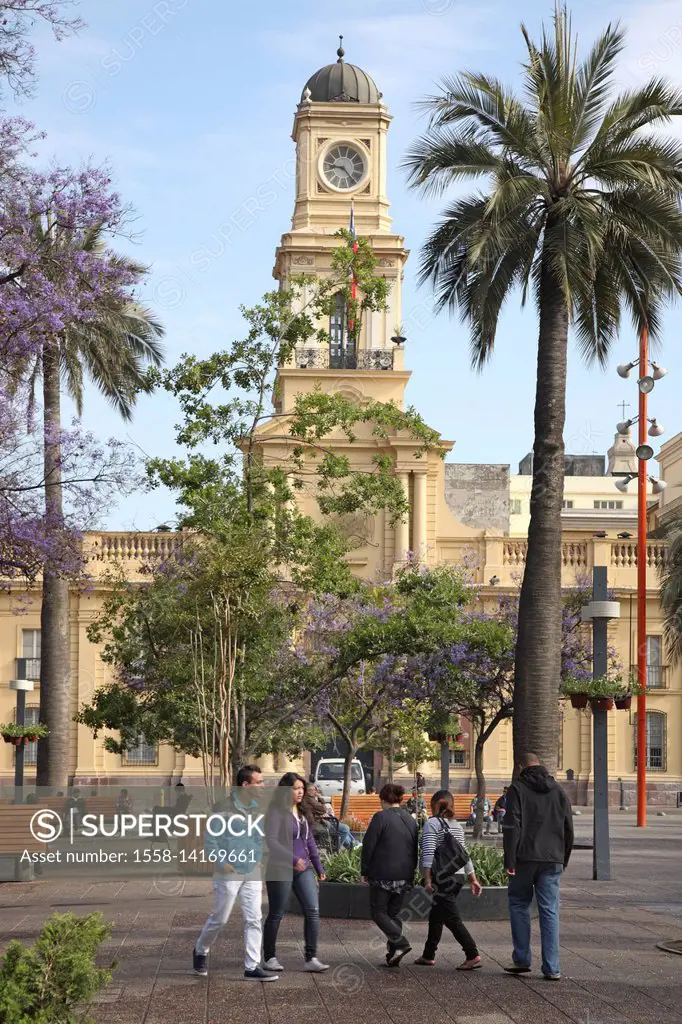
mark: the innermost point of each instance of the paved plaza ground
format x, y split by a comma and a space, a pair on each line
613, 973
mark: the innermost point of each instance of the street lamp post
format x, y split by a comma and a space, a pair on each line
21, 687
598, 612
644, 452
641, 583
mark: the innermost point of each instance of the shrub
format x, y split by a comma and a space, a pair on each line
44, 983
487, 860
489, 864
343, 866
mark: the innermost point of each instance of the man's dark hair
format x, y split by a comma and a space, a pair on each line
179, 785
246, 774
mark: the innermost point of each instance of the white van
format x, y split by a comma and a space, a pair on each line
329, 777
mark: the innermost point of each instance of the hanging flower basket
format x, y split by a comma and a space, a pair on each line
579, 700
601, 703
624, 703
18, 735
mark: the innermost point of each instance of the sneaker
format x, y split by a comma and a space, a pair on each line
273, 964
258, 974
200, 963
551, 977
471, 965
315, 966
518, 969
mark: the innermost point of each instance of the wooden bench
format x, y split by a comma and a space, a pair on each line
16, 837
365, 807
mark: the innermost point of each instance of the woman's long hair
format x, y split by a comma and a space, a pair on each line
443, 804
289, 779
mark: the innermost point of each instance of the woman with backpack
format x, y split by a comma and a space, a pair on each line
444, 863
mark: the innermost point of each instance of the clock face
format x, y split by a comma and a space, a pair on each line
344, 166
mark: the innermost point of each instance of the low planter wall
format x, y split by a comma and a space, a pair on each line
351, 900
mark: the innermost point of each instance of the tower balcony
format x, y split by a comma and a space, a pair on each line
318, 357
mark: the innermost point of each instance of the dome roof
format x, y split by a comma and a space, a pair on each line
340, 83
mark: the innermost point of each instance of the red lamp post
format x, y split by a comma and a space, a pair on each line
641, 582
645, 452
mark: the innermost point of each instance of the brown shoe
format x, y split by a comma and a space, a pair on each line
423, 962
471, 965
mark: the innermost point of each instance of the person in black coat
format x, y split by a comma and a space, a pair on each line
389, 861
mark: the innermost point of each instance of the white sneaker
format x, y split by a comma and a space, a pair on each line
315, 966
272, 964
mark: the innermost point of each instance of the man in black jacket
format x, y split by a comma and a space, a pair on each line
538, 839
389, 860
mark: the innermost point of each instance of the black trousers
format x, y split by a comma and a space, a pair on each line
385, 906
445, 912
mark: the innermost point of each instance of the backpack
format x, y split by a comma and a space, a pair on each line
449, 858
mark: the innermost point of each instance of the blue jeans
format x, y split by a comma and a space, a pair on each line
345, 837
304, 885
543, 879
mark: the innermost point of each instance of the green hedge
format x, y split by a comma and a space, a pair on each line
488, 862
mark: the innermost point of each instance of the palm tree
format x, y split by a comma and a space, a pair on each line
113, 349
671, 592
581, 207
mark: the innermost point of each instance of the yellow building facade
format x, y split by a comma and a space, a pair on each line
340, 131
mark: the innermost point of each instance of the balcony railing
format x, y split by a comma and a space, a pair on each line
317, 357
28, 668
624, 555
573, 553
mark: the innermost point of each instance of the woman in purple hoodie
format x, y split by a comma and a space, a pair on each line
290, 836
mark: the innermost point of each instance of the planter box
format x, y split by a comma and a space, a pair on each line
351, 900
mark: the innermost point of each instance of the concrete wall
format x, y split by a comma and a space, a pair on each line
478, 495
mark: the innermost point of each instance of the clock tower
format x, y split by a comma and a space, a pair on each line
340, 131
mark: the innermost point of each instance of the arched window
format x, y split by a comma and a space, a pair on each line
342, 355
656, 741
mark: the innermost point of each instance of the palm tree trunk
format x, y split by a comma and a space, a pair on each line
538, 648
55, 668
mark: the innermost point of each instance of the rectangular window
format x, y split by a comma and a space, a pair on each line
567, 504
143, 753
30, 643
656, 753
654, 669
611, 505
515, 507
459, 758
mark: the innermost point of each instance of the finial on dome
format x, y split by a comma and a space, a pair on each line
340, 53
307, 95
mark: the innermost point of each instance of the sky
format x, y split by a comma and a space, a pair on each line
192, 101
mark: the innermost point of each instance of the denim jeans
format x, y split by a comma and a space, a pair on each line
304, 885
542, 879
225, 894
345, 837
